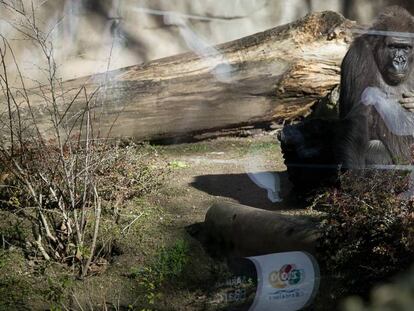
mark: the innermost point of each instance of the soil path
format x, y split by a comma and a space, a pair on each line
231, 169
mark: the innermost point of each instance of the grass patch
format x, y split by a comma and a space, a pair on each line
167, 266
235, 146
15, 287
193, 148
176, 165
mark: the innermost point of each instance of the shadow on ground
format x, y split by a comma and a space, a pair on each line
241, 188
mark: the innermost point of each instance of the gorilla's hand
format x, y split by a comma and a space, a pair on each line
408, 101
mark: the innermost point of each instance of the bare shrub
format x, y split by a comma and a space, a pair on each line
51, 169
367, 231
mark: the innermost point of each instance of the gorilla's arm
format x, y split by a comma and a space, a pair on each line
354, 137
356, 75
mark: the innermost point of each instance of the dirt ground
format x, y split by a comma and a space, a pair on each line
152, 240
217, 170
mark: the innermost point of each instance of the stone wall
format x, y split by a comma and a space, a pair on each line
90, 36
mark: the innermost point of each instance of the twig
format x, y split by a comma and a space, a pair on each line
132, 222
77, 302
41, 248
95, 234
46, 227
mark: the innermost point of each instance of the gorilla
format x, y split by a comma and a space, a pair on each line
375, 125
376, 76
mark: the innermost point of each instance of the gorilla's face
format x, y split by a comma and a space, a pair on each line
394, 57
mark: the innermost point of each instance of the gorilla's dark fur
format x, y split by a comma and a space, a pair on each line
308, 151
381, 58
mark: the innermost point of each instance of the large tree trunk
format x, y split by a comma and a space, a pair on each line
274, 75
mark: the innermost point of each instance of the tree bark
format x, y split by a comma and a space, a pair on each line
270, 76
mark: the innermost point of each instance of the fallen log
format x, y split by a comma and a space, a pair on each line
274, 75
243, 231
